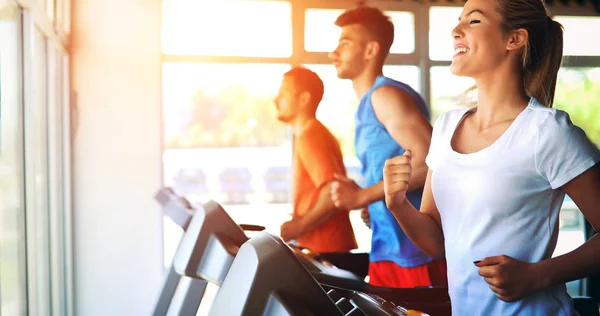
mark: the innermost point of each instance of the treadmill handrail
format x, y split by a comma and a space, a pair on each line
177, 208
251, 227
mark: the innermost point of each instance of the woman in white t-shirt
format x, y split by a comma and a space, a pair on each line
499, 171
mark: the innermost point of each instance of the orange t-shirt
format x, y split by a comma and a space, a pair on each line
317, 156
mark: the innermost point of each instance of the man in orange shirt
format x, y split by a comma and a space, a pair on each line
316, 224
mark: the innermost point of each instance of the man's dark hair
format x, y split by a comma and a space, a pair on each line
307, 80
378, 24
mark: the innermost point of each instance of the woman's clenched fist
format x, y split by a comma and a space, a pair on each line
396, 176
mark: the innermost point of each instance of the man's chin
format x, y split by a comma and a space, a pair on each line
342, 75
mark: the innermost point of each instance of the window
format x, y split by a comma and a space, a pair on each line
578, 93
222, 105
13, 286
227, 28
448, 91
571, 236
33, 257
223, 141
36, 170
63, 15
66, 134
406, 74
337, 108
50, 9
442, 20
322, 35
578, 34
56, 181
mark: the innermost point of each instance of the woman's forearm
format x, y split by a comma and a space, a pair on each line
421, 228
577, 264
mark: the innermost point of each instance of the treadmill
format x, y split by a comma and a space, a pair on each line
181, 294
180, 212
268, 278
213, 239
432, 299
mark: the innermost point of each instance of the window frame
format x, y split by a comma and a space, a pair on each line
51, 20
420, 56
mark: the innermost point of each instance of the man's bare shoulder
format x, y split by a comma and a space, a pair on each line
386, 96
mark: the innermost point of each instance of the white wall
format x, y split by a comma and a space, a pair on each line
117, 156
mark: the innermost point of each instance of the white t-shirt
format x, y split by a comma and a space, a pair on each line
505, 200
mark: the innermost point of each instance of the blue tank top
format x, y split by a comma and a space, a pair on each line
374, 145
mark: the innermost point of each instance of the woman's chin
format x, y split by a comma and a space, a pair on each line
454, 69
459, 71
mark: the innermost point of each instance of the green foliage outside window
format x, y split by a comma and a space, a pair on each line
578, 93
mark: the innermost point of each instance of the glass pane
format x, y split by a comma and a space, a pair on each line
322, 35
56, 181
578, 93
66, 16
227, 28
409, 75
222, 105
36, 149
578, 31
13, 295
62, 16
67, 133
442, 20
223, 141
448, 91
571, 235
50, 9
337, 108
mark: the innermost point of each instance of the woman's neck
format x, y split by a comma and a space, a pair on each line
500, 97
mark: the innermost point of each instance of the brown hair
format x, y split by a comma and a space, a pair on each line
307, 80
543, 53
378, 24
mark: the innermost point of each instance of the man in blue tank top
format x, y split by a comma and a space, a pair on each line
390, 118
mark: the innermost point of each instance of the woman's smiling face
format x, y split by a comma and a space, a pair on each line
479, 42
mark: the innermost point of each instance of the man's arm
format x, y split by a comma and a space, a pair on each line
322, 160
345, 193
397, 111
321, 211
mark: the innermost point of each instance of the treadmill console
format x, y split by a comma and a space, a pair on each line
349, 301
325, 272
268, 278
209, 244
